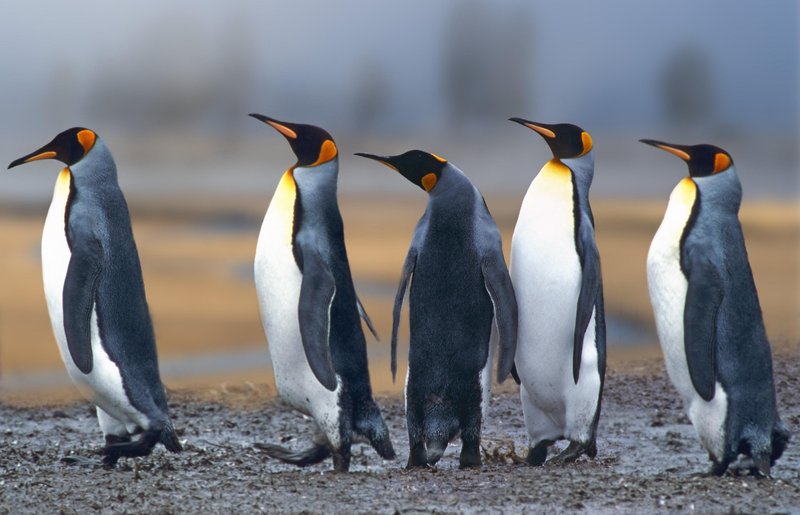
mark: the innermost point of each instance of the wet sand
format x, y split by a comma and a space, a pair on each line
648, 458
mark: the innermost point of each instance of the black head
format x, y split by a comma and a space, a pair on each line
311, 144
703, 160
565, 140
69, 147
421, 168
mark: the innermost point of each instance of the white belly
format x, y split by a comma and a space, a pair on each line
103, 385
278, 281
668, 286
546, 273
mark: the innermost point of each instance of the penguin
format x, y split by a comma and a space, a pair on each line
555, 268
96, 298
708, 316
309, 306
459, 285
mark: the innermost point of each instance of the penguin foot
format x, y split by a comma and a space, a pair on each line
130, 448
538, 453
756, 466
341, 461
470, 457
417, 457
80, 461
574, 451
315, 454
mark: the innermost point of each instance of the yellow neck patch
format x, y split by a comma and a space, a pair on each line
685, 192
64, 182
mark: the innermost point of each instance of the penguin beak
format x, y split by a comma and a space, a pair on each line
677, 150
541, 128
279, 126
380, 159
45, 152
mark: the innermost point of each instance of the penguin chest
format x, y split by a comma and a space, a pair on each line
668, 286
546, 273
278, 280
103, 384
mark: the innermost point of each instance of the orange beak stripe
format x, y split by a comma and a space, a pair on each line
286, 131
541, 130
44, 155
680, 153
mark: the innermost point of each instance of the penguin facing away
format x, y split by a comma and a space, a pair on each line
309, 307
96, 299
459, 284
555, 267
709, 318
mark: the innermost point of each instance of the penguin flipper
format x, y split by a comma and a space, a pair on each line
317, 291
408, 271
591, 283
80, 285
703, 300
501, 291
363, 314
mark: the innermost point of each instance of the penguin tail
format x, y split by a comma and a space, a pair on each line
780, 439
302, 458
369, 423
169, 438
435, 450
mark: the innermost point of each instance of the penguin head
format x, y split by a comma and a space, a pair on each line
421, 168
566, 141
703, 160
312, 145
69, 147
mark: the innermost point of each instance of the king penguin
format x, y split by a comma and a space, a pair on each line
96, 300
555, 268
309, 307
708, 315
458, 284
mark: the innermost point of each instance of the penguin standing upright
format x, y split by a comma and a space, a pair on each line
459, 283
309, 307
708, 315
96, 299
555, 268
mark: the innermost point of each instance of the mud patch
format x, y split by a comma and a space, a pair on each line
647, 461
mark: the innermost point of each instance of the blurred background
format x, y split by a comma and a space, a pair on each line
168, 88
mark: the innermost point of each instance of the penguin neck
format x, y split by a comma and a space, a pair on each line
316, 192
452, 185
96, 170
722, 191
582, 168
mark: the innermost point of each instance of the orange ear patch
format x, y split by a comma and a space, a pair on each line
429, 181
587, 142
86, 138
326, 152
721, 162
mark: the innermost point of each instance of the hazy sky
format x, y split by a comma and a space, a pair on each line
599, 62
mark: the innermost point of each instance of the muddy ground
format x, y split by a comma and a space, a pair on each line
647, 461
